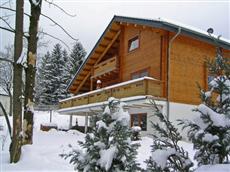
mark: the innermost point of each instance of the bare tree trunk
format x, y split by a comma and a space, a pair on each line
30, 72
15, 147
11, 105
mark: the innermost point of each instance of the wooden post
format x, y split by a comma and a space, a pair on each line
91, 84
86, 122
50, 115
70, 121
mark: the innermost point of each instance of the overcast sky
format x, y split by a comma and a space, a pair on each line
92, 17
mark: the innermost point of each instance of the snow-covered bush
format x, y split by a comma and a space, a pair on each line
167, 155
108, 148
136, 135
210, 131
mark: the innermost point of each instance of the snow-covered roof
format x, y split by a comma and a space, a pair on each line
170, 24
109, 87
165, 24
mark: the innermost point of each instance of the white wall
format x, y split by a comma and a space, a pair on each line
181, 111
177, 111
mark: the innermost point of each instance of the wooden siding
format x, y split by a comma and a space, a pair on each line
146, 56
187, 64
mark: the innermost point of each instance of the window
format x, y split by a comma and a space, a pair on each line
139, 120
139, 74
133, 44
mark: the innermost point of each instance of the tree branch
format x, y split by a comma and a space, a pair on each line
63, 29
7, 23
60, 8
55, 38
7, 29
53, 21
4, 3
6, 60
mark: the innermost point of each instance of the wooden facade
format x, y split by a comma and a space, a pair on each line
112, 63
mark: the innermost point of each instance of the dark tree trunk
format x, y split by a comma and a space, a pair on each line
15, 147
11, 105
30, 73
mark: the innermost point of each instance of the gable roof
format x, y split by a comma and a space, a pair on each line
112, 31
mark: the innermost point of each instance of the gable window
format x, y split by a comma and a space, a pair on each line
133, 43
140, 74
140, 120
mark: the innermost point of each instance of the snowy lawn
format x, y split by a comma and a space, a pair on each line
43, 155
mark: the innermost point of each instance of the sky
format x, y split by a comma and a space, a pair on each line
92, 17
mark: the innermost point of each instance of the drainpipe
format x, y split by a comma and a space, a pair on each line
168, 69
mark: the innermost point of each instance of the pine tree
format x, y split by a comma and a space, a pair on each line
210, 131
53, 76
76, 58
66, 76
56, 71
167, 155
108, 148
44, 85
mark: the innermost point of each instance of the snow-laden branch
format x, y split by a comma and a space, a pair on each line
35, 2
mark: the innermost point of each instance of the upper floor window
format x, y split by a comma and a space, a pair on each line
140, 74
133, 43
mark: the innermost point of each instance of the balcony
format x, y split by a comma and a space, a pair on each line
136, 87
109, 66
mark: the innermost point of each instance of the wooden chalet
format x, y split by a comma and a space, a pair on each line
138, 58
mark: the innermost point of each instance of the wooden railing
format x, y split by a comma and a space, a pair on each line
137, 87
106, 66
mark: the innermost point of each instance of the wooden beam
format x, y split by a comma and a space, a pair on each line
102, 45
110, 44
98, 52
113, 30
107, 38
82, 82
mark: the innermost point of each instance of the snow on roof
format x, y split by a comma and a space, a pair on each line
110, 87
195, 29
97, 106
171, 22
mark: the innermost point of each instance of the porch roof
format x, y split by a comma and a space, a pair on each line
131, 102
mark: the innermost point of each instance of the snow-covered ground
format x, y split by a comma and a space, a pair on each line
43, 154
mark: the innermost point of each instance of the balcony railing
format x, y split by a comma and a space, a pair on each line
106, 67
136, 87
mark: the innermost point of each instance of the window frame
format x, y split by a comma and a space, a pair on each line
139, 72
136, 37
139, 117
